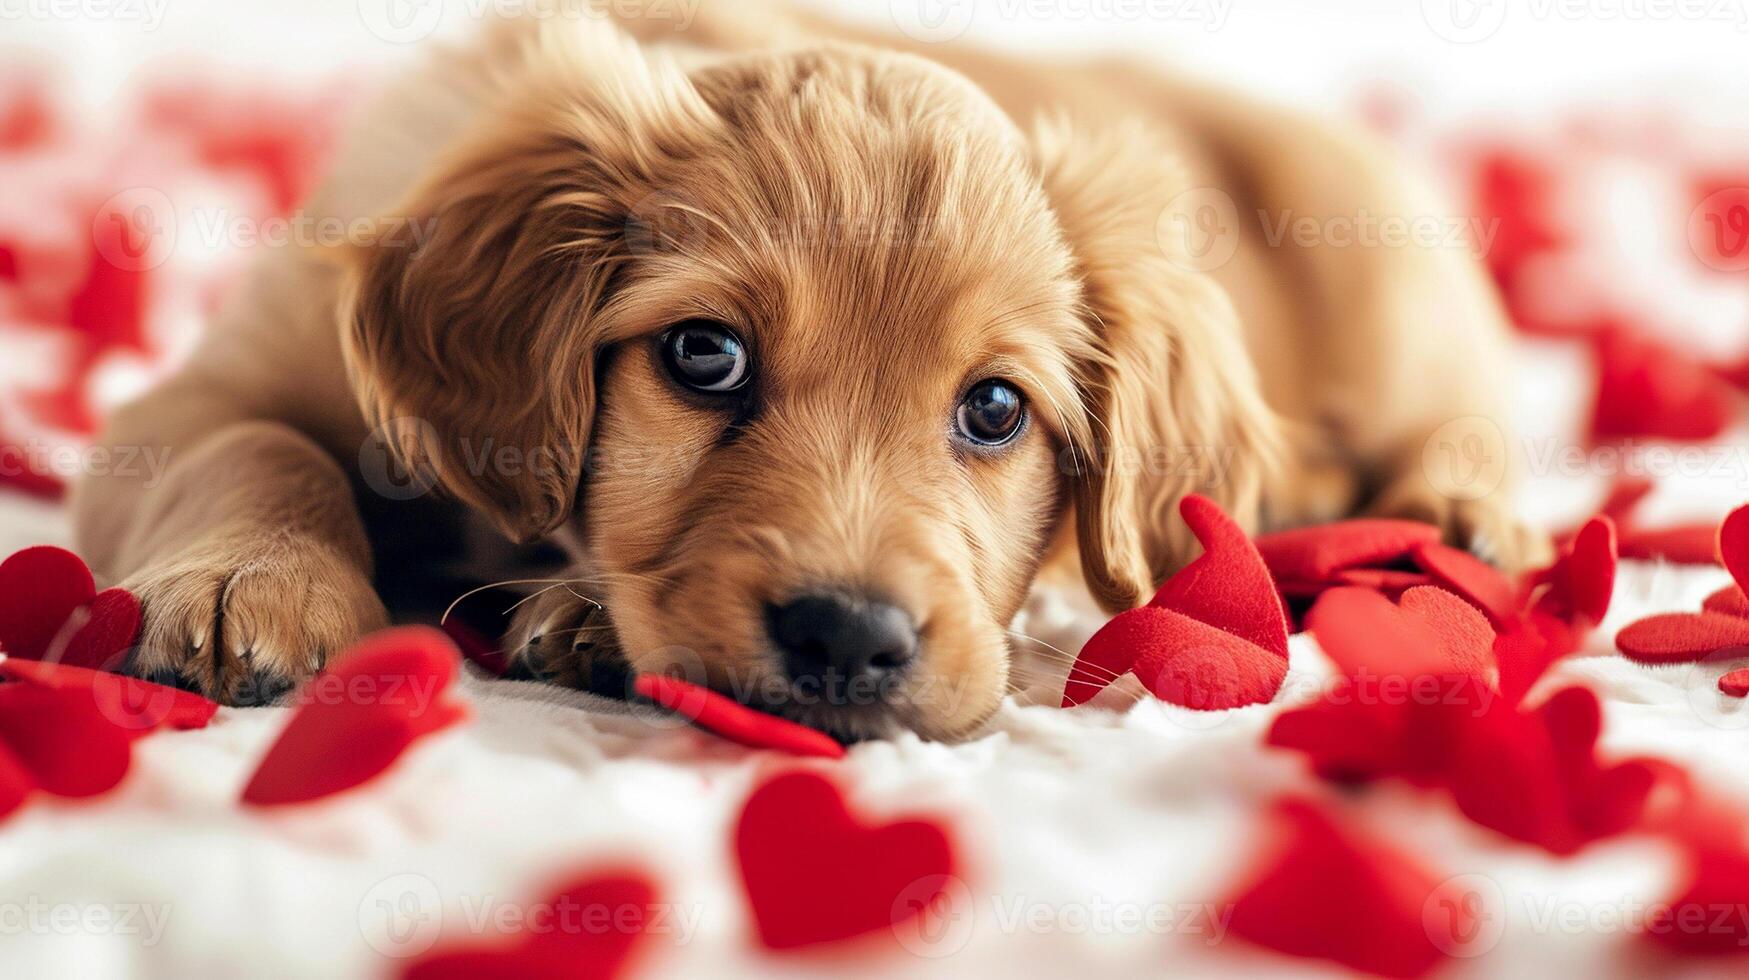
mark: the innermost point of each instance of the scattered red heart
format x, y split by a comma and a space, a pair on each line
1647, 389
1331, 892
590, 930
814, 873
134, 706
735, 721
50, 609
1214, 636
354, 720
1721, 629
56, 742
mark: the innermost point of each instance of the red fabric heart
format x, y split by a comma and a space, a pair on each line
588, 931
1646, 389
1580, 583
61, 740
1227, 586
1315, 554
1213, 637
1394, 918
1728, 601
1684, 544
814, 873
1704, 916
1178, 660
1412, 676
1736, 683
1535, 776
1432, 633
735, 721
1733, 545
1475, 580
1527, 648
1389, 581
16, 782
1194, 665
134, 706
50, 607
355, 720
1679, 638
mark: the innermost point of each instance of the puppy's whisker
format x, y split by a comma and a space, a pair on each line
552, 582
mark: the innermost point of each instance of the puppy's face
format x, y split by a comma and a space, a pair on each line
807, 340
824, 461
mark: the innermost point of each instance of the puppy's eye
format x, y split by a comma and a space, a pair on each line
706, 356
991, 413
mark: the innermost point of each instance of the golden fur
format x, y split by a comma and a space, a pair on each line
883, 229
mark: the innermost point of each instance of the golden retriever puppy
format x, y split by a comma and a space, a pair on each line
813, 351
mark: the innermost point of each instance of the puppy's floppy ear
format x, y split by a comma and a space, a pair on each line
1170, 398
473, 354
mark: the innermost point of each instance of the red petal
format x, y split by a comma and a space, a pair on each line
357, 718
590, 932
130, 704
1314, 554
1735, 683
1728, 601
1195, 665
1477, 581
1228, 587
1391, 909
735, 721
814, 873
39, 589
69, 748
1677, 638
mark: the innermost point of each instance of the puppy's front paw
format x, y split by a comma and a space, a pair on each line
244, 622
562, 636
1484, 526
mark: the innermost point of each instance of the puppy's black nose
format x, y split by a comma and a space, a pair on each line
843, 643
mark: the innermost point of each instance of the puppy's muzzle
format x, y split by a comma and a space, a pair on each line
849, 648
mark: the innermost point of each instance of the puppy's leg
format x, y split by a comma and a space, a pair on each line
248, 555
